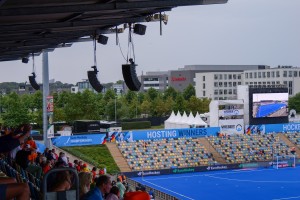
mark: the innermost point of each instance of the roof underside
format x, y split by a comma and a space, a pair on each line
29, 26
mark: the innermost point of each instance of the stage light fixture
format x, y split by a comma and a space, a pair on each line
92, 76
102, 39
33, 82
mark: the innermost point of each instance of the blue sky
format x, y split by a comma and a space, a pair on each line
246, 32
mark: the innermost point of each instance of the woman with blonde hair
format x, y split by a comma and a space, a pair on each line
85, 179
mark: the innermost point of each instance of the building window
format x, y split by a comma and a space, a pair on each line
273, 74
264, 74
203, 85
216, 92
230, 91
203, 78
285, 83
220, 84
220, 76
250, 75
220, 91
255, 74
234, 91
239, 77
278, 74
273, 82
234, 84
230, 76
278, 82
234, 76
255, 83
284, 73
229, 84
225, 76
251, 83
216, 76
216, 84
240, 83
268, 74
246, 75
225, 91
225, 84
290, 73
295, 73
246, 83
259, 74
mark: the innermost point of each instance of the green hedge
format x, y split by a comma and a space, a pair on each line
136, 125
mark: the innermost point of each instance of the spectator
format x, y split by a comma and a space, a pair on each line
62, 182
114, 194
85, 180
31, 142
9, 189
47, 166
101, 171
139, 195
9, 141
94, 173
103, 186
54, 154
121, 187
293, 150
85, 168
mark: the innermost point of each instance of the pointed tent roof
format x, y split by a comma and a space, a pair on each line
199, 121
191, 118
172, 117
184, 118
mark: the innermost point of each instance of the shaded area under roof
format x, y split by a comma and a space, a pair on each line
29, 26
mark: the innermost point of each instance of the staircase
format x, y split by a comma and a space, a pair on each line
212, 150
289, 143
119, 159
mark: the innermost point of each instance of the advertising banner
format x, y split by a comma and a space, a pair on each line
231, 112
168, 133
232, 126
78, 140
50, 109
272, 128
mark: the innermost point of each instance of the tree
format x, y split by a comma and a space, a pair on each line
152, 93
16, 112
294, 102
180, 104
170, 92
188, 92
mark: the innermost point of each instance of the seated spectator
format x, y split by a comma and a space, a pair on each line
114, 194
31, 142
101, 171
293, 150
138, 195
85, 180
121, 187
94, 173
47, 166
10, 141
85, 168
62, 182
9, 189
103, 186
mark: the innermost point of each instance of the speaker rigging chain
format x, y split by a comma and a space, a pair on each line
95, 57
33, 67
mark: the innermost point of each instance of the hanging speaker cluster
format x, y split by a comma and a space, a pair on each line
92, 76
33, 82
130, 77
139, 29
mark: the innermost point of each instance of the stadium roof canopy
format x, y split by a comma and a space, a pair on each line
29, 26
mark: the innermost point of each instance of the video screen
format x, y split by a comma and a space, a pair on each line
270, 105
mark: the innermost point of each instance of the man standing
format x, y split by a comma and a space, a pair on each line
103, 186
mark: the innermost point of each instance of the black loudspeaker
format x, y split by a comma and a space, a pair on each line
102, 39
25, 60
33, 83
139, 29
130, 77
92, 76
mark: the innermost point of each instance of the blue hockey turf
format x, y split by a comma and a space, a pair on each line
265, 110
257, 184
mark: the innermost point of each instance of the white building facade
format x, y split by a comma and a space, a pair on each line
223, 85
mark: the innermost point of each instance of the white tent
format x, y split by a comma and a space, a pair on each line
168, 122
183, 121
198, 122
175, 123
191, 119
